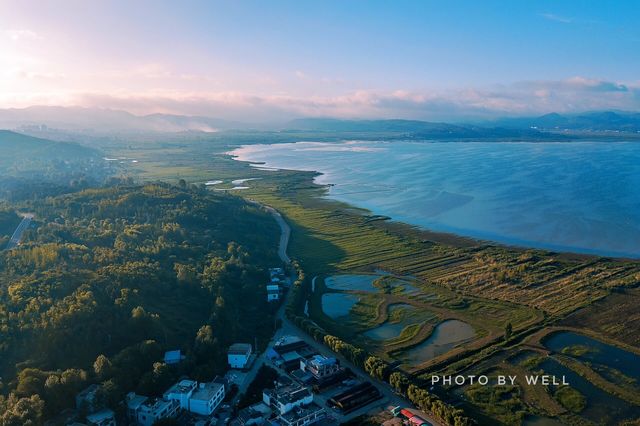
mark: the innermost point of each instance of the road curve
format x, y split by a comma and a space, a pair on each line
17, 234
288, 328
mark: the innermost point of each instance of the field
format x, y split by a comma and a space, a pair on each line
477, 283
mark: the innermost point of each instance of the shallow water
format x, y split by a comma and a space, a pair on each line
391, 330
336, 305
601, 353
575, 196
601, 407
363, 282
446, 335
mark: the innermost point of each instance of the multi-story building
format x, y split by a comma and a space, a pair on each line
181, 392
302, 416
285, 398
146, 411
206, 398
238, 355
320, 366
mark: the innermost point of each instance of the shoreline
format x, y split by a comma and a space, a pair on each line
461, 238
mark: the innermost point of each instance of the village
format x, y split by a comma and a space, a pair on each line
309, 387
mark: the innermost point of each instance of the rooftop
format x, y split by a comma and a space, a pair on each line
322, 360
288, 393
183, 386
134, 401
172, 357
301, 412
239, 349
206, 391
100, 415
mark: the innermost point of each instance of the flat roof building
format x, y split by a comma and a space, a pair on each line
206, 398
302, 415
181, 392
238, 355
284, 398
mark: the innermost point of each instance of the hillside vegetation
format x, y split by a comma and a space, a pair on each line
110, 278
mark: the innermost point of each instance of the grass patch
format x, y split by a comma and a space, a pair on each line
576, 350
571, 399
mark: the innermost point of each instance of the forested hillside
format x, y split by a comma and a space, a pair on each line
110, 278
33, 167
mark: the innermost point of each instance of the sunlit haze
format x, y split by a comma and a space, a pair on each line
260, 61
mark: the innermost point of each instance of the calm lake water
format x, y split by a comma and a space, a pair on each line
573, 196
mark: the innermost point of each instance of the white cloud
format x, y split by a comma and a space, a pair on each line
17, 35
574, 94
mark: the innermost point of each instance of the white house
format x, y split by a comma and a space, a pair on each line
152, 410
206, 398
302, 416
320, 366
238, 355
285, 398
181, 392
273, 292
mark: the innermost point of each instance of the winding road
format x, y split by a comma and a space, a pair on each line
290, 329
17, 234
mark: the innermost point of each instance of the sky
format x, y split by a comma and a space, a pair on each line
271, 60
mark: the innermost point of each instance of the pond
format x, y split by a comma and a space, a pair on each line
391, 330
446, 335
594, 351
364, 282
601, 407
336, 305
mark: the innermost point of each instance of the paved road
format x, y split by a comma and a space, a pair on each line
17, 234
290, 329
285, 233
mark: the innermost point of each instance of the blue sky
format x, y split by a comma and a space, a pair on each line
264, 60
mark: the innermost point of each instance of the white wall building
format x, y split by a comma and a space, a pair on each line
273, 292
285, 398
206, 398
181, 392
153, 409
238, 355
320, 366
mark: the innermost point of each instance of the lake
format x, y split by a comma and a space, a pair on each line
568, 196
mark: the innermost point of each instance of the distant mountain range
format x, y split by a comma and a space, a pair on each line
94, 120
44, 120
410, 128
592, 121
16, 147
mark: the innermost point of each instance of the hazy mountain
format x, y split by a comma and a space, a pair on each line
591, 121
93, 120
17, 148
410, 128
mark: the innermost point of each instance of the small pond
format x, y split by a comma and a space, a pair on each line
363, 282
336, 305
391, 330
446, 335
